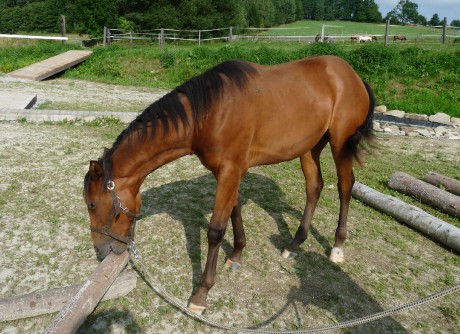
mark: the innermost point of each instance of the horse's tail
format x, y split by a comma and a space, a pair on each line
365, 131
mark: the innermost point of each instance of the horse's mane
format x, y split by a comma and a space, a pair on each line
201, 91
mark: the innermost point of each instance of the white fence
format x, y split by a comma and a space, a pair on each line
55, 38
301, 35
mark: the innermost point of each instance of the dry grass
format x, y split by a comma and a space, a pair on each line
44, 240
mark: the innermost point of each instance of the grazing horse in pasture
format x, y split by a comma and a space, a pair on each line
326, 38
399, 38
364, 39
235, 116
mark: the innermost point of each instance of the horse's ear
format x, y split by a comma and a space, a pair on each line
95, 169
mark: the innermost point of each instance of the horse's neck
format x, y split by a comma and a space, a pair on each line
137, 160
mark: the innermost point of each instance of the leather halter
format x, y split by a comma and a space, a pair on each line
117, 208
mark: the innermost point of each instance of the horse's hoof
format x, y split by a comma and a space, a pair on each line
229, 264
197, 309
336, 255
288, 255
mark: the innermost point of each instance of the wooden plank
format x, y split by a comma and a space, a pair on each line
85, 300
438, 180
418, 219
426, 193
53, 300
51, 66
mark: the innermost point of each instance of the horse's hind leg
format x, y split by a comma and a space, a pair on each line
314, 184
239, 237
344, 164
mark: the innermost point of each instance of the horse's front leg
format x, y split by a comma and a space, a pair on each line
228, 181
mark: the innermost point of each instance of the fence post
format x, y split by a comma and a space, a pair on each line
199, 37
444, 30
230, 35
104, 37
387, 28
130, 38
162, 37
322, 33
63, 32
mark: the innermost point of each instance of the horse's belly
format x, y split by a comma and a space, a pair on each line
284, 144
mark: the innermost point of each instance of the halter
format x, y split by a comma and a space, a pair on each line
117, 208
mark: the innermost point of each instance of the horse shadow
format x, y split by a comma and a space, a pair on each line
101, 322
322, 283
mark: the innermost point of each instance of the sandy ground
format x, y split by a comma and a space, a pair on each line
84, 95
45, 242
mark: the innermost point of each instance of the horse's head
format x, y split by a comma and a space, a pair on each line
112, 207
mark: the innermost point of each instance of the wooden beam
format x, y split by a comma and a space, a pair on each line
426, 193
438, 180
418, 219
53, 300
85, 300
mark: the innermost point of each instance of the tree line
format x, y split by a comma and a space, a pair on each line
89, 16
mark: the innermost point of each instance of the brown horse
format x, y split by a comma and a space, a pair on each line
235, 116
399, 38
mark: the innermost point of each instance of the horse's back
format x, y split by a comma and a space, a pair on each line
285, 110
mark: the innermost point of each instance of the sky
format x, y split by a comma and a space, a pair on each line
444, 8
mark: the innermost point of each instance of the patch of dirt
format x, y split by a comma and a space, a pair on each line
45, 240
86, 95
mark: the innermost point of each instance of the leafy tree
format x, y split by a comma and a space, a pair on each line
91, 16
435, 20
455, 23
406, 12
422, 20
285, 11
260, 13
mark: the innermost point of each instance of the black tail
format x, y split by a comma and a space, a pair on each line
365, 130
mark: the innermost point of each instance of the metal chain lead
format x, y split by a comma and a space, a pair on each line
172, 300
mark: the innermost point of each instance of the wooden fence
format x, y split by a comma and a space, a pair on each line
301, 35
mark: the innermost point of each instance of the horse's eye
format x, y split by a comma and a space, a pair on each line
91, 206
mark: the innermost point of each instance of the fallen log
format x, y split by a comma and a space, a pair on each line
438, 180
418, 219
53, 300
85, 300
426, 193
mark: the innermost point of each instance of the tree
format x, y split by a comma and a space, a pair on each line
435, 21
91, 16
406, 12
455, 23
260, 13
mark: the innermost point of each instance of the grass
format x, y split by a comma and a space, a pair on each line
44, 226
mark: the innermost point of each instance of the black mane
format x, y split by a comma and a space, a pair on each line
202, 91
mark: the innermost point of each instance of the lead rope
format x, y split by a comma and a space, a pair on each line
172, 300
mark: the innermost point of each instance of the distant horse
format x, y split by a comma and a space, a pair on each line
235, 116
326, 38
364, 39
399, 38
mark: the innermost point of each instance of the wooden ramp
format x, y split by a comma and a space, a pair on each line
51, 66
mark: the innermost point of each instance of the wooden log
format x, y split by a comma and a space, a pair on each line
85, 300
418, 219
426, 193
438, 180
53, 300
